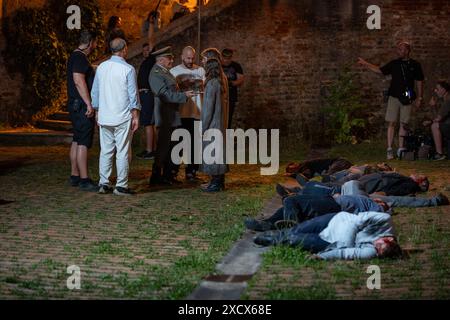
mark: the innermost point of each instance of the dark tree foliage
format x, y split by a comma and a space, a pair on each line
38, 45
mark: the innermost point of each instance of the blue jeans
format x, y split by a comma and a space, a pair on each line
304, 207
408, 202
354, 188
320, 189
306, 234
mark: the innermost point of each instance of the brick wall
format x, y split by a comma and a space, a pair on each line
134, 12
291, 49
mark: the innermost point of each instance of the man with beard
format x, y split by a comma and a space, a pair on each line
188, 71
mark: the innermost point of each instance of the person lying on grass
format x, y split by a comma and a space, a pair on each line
299, 208
342, 235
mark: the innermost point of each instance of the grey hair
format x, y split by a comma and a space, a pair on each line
117, 45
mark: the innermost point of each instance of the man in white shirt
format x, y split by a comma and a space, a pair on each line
115, 96
189, 111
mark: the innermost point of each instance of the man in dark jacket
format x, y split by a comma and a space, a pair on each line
167, 117
394, 184
390, 183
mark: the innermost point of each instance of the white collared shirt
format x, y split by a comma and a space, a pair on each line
114, 92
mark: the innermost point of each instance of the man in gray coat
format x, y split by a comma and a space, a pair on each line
167, 117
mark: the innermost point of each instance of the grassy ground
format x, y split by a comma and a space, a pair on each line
161, 243
157, 245
287, 273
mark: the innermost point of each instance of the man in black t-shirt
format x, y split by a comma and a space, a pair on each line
235, 76
147, 102
80, 76
406, 74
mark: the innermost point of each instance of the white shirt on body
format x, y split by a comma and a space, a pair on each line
352, 235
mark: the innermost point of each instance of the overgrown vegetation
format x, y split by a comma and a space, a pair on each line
344, 109
38, 45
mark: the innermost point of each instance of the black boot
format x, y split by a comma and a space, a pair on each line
258, 225
271, 238
156, 177
215, 185
222, 181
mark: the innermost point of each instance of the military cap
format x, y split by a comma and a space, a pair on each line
164, 52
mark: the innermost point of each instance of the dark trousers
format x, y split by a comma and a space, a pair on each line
188, 124
232, 106
163, 160
306, 234
304, 207
319, 188
445, 131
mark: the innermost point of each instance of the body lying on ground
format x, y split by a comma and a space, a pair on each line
320, 166
342, 235
391, 184
299, 208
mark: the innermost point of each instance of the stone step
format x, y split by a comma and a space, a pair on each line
57, 125
61, 116
41, 138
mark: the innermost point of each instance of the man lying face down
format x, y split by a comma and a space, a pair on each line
299, 208
342, 235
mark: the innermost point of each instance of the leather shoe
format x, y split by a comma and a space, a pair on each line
441, 200
266, 239
213, 187
255, 225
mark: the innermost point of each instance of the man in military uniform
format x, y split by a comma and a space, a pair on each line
167, 117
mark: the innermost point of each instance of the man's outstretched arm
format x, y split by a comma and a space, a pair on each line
371, 67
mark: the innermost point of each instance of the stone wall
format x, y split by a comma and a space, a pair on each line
290, 50
132, 12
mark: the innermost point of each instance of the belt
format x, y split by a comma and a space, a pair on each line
144, 90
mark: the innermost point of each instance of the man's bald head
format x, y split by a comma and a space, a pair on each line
188, 56
188, 49
118, 46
